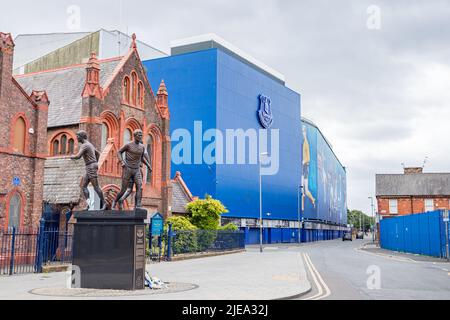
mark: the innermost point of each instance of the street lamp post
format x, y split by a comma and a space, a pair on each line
373, 216
260, 204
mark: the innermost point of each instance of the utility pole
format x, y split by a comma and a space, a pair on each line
260, 204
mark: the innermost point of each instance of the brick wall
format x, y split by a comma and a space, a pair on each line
409, 205
28, 166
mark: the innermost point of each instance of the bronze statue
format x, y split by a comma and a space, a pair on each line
135, 156
90, 156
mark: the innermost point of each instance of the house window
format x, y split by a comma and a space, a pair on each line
19, 135
126, 136
126, 90
71, 146
149, 174
393, 206
133, 87
429, 205
15, 208
62, 144
55, 147
140, 95
105, 135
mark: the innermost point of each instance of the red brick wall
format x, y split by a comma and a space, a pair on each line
409, 205
29, 166
156, 196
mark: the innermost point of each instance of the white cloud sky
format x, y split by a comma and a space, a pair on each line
380, 96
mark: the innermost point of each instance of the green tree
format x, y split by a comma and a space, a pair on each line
205, 213
357, 217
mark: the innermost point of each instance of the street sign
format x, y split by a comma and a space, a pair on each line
157, 224
445, 216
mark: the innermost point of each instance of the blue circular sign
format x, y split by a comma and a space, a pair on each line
16, 181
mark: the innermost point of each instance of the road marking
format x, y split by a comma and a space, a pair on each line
391, 257
323, 290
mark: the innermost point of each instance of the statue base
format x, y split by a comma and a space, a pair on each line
109, 249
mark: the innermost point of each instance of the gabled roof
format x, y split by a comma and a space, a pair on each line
181, 195
420, 184
62, 178
64, 87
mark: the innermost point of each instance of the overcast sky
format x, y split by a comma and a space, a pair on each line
380, 94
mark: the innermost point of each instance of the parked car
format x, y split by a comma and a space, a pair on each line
347, 236
360, 235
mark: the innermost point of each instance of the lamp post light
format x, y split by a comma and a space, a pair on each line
373, 216
260, 204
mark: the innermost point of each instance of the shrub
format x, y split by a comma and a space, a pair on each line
205, 213
185, 239
229, 227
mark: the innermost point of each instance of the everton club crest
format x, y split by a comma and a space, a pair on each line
265, 111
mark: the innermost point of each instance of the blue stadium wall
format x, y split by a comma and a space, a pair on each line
222, 92
324, 178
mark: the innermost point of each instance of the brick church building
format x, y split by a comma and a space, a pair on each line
109, 99
23, 144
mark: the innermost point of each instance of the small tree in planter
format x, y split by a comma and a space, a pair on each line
205, 215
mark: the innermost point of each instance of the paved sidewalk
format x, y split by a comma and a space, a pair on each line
247, 275
372, 248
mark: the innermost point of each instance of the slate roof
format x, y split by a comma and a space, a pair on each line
64, 88
179, 198
420, 184
62, 178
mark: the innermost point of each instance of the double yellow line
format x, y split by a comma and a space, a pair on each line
323, 290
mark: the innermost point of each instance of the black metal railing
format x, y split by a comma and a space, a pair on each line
192, 241
26, 249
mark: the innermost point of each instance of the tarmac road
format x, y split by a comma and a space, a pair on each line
341, 270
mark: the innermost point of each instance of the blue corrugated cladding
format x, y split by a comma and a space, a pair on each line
238, 90
222, 92
324, 179
191, 81
418, 233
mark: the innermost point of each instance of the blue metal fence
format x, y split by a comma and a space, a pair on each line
422, 233
27, 249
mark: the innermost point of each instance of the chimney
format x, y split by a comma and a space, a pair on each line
6, 60
42, 103
92, 86
162, 100
413, 170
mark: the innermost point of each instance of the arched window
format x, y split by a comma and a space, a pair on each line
127, 136
15, 208
105, 135
149, 147
19, 134
126, 90
133, 87
71, 146
55, 147
63, 144
140, 94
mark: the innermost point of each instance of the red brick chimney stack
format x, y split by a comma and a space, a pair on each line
413, 170
6, 59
